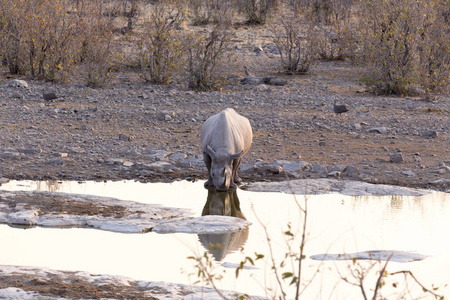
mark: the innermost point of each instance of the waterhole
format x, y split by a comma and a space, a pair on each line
345, 236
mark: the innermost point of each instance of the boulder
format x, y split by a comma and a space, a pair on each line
396, 157
18, 83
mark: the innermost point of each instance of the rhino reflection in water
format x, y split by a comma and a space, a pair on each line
224, 203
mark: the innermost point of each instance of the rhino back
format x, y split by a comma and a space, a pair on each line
227, 129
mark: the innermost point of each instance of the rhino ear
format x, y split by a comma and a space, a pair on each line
210, 151
236, 155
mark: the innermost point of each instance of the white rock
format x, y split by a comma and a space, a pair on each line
204, 224
378, 255
327, 186
18, 83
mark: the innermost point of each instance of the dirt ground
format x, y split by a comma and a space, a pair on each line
90, 134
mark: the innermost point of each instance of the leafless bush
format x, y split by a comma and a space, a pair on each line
160, 49
406, 45
97, 57
323, 11
11, 51
336, 42
204, 57
256, 11
47, 33
51, 39
331, 19
296, 46
211, 11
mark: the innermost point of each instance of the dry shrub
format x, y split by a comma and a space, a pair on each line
297, 46
256, 11
203, 12
160, 49
45, 32
204, 57
333, 29
50, 39
11, 51
96, 55
406, 45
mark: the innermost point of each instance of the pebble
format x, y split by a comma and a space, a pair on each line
381, 130
396, 157
430, 134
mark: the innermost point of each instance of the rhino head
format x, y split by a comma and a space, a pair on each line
221, 171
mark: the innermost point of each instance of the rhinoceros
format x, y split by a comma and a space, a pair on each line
225, 137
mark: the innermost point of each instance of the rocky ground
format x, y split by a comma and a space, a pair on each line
134, 130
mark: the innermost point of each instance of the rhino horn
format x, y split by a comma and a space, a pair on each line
236, 155
210, 151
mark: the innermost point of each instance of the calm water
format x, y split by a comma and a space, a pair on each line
335, 224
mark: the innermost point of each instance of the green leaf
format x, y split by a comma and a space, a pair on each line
259, 256
287, 275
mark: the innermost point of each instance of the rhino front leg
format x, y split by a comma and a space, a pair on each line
236, 165
207, 160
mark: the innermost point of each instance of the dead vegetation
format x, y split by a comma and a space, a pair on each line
403, 44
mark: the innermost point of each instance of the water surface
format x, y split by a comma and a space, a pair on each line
335, 224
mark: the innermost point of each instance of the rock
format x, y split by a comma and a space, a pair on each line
9, 155
442, 170
439, 182
178, 156
128, 163
396, 157
338, 168
56, 161
357, 126
262, 88
49, 96
335, 174
329, 185
161, 154
125, 137
258, 50
196, 160
293, 166
159, 166
274, 167
408, 173
212, 224
246, 168
276, 81
3, 180
18, 83
166, 115
318, 168
430, 134
381, 130
17, 95
351, 171
30, 151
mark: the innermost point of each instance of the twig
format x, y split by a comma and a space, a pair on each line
380, 277
275, 269
418, 282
